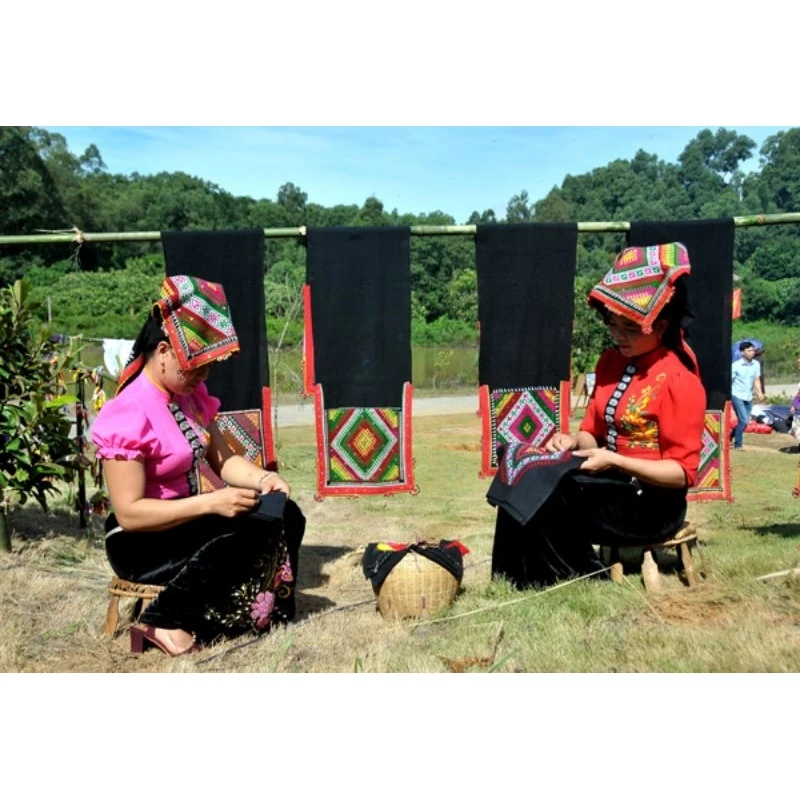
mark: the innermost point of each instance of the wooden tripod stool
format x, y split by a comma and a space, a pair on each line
683, 542
117, 588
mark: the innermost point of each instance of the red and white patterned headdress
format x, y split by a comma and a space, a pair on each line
641, 282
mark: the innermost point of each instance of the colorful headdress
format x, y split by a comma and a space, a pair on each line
194, 316
641, 282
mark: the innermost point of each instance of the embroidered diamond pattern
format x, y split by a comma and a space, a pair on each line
518, 459
523, 416
364, 444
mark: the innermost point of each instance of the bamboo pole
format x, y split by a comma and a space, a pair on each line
753, 220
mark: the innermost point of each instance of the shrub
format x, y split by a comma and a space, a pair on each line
35, 445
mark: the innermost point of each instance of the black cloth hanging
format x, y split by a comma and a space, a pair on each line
360, 283
236, 260
710, 289
526, 276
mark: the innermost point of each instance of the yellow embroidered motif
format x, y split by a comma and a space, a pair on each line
639, 430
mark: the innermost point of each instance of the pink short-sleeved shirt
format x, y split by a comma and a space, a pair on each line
140, 423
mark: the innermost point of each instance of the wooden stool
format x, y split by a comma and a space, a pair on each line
683, 542
144, 592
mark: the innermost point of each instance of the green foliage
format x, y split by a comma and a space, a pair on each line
442, 331
102, 304
29, 195
44, 185
781, 346
589, 335
35, 447
461, 302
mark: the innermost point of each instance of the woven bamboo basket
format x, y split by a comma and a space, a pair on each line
416, 587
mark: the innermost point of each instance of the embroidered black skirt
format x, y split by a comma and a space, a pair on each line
222, 576
584, 509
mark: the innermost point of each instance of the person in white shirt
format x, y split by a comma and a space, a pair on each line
746, 381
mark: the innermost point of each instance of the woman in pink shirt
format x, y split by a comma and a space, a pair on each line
225, 571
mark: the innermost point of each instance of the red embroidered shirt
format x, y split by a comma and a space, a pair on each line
660, 413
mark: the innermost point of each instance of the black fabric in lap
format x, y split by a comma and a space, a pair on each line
360, 281
605, 508
710, 288
532, 488
526, 275
236, 260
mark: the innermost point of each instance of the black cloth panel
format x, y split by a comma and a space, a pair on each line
710, 289
360, 281
526, 277
236, 260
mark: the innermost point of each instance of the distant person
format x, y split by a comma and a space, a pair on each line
745, 382
796, 411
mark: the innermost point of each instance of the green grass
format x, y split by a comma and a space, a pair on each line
52, 586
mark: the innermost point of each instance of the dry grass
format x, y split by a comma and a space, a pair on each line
53, 586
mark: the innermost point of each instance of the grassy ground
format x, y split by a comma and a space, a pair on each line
53, 585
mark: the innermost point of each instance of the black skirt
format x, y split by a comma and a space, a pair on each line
609, 508
221, 576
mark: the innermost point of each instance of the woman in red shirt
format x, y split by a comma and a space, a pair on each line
639, 443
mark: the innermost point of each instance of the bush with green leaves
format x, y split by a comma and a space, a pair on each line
35, 445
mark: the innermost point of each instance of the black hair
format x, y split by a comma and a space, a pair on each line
150, 334
744, 345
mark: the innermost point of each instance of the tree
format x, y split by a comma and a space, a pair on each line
709, 168
103, 304
589, 335
779, 181
372, 213
29, 197
29, 200
292, 202
485, 218
462, 297
518, 208
35, 445
721, 153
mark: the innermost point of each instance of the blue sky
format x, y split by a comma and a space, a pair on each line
413, 169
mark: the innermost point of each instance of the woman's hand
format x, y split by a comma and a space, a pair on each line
598, 459
272, 482
231, 501
559, 442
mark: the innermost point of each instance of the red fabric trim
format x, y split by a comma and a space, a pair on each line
267, 434
485, 411
736, 304
565, 406
354, 490
726, 493
312, 389
130, 372
308, 344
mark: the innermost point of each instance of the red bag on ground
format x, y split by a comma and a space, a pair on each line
757, 427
